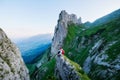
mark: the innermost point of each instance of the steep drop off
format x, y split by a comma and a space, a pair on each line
12, 66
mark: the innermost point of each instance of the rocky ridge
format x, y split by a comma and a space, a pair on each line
68, 70
12, 66
64, 69
61, 29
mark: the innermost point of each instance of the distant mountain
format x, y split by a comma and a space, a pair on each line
33, 47
87, 24
106, 18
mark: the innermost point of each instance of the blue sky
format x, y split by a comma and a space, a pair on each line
24, 18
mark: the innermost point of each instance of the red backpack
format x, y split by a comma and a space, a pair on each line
63, 52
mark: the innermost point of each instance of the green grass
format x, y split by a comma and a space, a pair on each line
106, 30
46, 71
50, 66
113, 51
73, 30
91, 31
69, 46
31, 68
83, 55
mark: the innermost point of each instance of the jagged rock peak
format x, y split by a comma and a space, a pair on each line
65, 17
12, 66
61, 29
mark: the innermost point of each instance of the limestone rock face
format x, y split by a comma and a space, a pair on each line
98, 60
12, 66
61, 29
65, 71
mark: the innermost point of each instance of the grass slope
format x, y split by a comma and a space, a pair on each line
109, 32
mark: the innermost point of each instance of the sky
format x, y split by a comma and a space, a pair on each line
25, 18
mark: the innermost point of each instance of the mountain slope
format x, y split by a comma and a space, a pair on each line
103, 59
12, 66
106, 18
96, 48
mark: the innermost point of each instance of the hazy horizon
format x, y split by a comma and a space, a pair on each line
25, 18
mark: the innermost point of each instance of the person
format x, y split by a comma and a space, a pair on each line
61, 51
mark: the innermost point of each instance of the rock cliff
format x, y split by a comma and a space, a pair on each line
99, 62
61, 29
65, 68
12, 66
68, 70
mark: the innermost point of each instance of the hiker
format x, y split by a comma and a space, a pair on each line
61, 51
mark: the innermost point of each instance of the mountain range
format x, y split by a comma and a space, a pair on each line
33, 46
90, 52
105, 19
